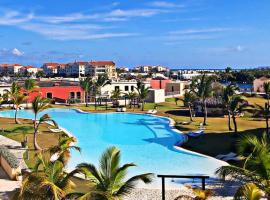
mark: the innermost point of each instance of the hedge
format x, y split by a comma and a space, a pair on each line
11, 159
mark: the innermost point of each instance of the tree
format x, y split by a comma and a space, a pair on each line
176, 99
227, 93
110, 181
18, 99
263, 111
142, 92
61, 151
101, 81
29, 86
201, 86
116, 94
86, 85
266, 87
14, 91
255, 172
131, 96
38, 105
188, 100
236, 105
47, 180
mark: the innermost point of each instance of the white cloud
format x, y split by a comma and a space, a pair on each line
10, 17
199, 31
166, 4
17, 52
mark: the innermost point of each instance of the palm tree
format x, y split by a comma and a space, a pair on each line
236, 105
101, 81
62, 149
176, 99
131, 96
266, 87
29, 86
263, 111
201, 86
142, 92
109, 180
47, 180
86, 85
227, 93
18, 99
254, 175
14, 91
38, 105
188, 100
116, 94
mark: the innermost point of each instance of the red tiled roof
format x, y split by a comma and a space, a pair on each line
81, 62
51, 64
102, 63
8, 65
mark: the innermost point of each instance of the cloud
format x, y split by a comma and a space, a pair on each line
232, 49
17, 52
11, 52
199, 31
165, 4
10, 17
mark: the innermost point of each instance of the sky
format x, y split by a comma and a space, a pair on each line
173, 33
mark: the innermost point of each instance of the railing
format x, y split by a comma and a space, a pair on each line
163, 177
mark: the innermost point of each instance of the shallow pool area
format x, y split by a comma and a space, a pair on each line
146, 140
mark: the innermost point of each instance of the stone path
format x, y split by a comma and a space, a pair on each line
7, 185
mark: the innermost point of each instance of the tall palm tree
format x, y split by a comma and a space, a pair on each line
62, 149
18, 99
47, 180
266, 87
201, 86
109, 180
131, 96
29, 86
38, 105
263, 111
256, 166
14, 91
188, 100
86, 85
142, 92
101, 81
236, 105
227, 93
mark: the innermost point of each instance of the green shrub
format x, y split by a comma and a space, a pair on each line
11, 159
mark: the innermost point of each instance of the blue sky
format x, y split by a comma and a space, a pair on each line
175, 33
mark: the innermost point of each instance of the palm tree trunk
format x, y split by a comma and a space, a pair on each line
86, 99
142, 105
16, 120
234, 122
229, 121
205, 113
95, 103
267, 125
190, 113
36, 146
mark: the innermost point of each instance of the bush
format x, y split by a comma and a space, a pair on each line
11, 159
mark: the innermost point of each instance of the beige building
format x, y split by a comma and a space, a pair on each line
176, 88
102, 67
258, 84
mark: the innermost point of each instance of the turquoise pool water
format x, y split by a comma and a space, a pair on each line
143, 139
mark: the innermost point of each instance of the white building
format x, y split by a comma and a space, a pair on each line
50, 68
10, 69
4, 88
77, 68
28, 69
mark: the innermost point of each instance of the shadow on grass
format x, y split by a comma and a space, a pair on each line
214, 144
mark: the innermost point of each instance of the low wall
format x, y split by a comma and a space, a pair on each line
12, 173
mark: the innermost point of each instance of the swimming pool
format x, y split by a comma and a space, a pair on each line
143, 139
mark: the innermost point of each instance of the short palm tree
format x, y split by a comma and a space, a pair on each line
255, 172
236, 105
101, 81
266, 87
227, 93
142, 92
131, 96
38, 105
263, 111
201, 86
188, 100
29, 85
14, 91
18, 99
86, 85
116, 94
63, 148
47, 180
109, 180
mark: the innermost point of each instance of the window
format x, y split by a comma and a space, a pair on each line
126, 88
132, 88
49, 95
172, 88
72, 95
78, 95
116, 88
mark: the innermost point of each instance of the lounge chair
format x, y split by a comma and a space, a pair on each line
55, 130
221, 156
118, 110
152, 111
196, 133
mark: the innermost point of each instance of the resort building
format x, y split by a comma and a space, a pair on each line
4, 88
176, 88
77, 68
28, 69
102, 67
159, 83
258, 84
50, 68
10, 69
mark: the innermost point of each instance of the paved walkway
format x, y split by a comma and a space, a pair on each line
7, 185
